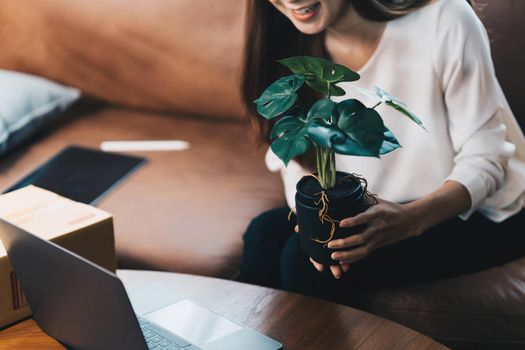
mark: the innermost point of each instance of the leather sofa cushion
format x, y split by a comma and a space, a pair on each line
165, 55
483, 310
184, 211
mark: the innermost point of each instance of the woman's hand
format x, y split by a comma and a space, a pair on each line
337, 270
386, 223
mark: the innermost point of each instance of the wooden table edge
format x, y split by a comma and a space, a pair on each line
27, 335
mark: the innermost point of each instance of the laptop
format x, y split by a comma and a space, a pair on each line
86, 307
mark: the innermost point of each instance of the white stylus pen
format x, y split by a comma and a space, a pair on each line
128, 146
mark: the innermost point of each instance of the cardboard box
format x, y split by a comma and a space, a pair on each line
81, 228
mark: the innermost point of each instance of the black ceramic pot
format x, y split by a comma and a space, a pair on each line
347, 199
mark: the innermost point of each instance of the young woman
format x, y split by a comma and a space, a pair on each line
451, 200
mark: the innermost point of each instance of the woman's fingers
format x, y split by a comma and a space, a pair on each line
318, 267
357, 239
352, 255
296, 228
362, 218
337, 271
349, 262
350, 241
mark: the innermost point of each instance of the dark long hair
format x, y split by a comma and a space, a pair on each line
271, 36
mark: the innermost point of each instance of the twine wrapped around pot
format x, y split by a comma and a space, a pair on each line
323, 199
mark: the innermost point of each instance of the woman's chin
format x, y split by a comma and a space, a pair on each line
310, 28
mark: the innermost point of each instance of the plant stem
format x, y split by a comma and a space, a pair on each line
326, 167
325, 157
377, 104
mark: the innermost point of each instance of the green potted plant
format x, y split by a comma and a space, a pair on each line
348, 127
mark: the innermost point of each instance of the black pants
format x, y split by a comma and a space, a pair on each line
272, 256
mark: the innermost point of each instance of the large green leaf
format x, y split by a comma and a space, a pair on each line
290, 133
363, 126
393, 102
322, 109
331, 137
347, 73
280, 96
321, 74
322, 87
320, 67
351, 148
287, 122
348, 107
390, 142
325, 136
401, 107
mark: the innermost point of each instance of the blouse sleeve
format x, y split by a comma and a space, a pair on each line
475, 103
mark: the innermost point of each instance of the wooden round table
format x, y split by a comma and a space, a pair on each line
297, 321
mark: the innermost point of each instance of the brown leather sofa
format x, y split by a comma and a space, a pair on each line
175, 66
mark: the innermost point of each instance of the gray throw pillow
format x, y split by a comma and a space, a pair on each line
27, 103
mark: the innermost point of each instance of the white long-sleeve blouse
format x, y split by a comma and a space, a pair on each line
437, 60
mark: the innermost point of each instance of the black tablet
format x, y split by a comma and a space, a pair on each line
82, 174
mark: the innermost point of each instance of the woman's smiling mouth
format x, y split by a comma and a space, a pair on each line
306, 13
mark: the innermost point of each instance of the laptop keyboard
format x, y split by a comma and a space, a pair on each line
159, 339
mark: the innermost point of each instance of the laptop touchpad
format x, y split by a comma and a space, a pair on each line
192, 322
152, 296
